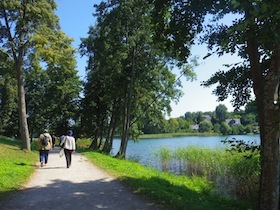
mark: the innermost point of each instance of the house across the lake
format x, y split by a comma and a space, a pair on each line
232, 122
194, 127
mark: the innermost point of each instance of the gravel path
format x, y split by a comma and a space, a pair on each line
82, 186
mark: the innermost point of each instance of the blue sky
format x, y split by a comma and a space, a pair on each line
75, 19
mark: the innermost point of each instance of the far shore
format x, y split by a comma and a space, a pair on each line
171, 135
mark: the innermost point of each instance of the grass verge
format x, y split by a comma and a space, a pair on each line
16, 165
166, 189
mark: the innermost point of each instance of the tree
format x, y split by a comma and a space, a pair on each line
205, 126
217, 128
221, 113
234, 130
225, 128
58, 80
132, 82
249, 37
248, 119
254, 36
8, 99
173, 125
249, 129
196, 117
20, 20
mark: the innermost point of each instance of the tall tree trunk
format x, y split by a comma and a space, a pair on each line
125, 131
127, 110
269, 189
23, 126
111, 130
265, 89
94, 144
94, 141
101, 128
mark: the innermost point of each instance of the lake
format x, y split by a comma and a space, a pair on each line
144, 150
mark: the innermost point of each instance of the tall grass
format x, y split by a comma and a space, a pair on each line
234, 174
16, 165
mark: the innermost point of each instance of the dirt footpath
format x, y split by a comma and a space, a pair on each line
82, 186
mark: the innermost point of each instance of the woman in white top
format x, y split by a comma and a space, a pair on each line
69, 145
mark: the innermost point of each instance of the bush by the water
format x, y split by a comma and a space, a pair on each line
234, 170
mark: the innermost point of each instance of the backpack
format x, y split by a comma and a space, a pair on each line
45, 140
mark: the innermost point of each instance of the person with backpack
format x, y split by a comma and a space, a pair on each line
44, 145
68, 143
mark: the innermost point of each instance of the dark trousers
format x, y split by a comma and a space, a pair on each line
68, 156
44, 156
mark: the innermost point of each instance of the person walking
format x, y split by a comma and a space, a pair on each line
44, 145
53, 140
69, 145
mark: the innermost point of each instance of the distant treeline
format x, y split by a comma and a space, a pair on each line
219, 121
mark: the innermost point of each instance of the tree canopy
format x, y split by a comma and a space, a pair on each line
30, 39
128, 78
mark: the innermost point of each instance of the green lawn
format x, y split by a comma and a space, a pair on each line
16, 165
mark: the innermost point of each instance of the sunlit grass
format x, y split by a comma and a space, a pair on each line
16, 165
167, 189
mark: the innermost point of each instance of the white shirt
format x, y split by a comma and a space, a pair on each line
69, 143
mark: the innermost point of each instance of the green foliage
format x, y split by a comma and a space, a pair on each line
48, 67
249, 129
8, 105
195, 117
172, 125
206, 119
8, 96
221, 113
217, 128
205, 126
225, 128
58, 80
234, 130
129, 81
248, 119
30, 38
235, 82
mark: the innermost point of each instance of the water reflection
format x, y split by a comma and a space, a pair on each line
145, 150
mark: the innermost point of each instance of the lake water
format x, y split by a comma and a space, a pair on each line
144, 150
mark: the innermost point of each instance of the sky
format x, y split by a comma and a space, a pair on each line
76, 17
